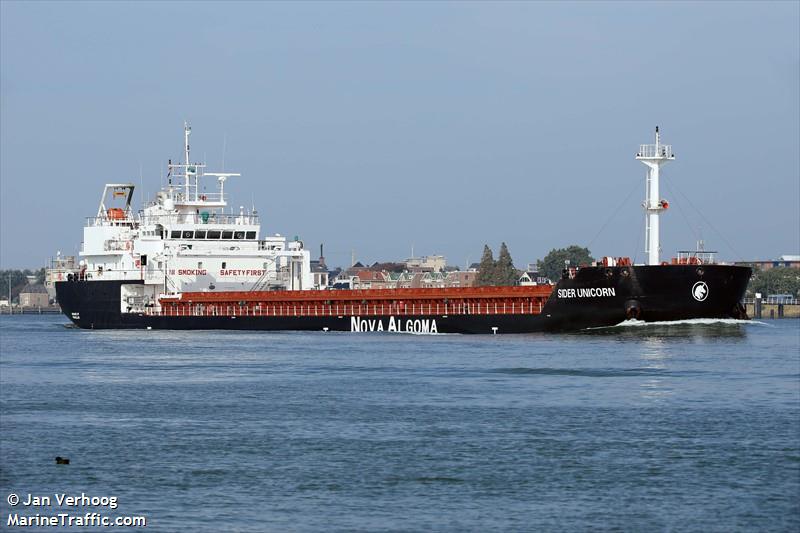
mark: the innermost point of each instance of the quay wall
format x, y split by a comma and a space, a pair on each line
773, 310
16, 310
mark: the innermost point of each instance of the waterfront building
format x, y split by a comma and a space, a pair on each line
59, 268
532, 277
428, 263
784, 261
34, 295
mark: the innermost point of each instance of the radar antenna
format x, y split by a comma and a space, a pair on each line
221, 177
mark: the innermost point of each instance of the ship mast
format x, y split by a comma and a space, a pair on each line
187, 130
653, 156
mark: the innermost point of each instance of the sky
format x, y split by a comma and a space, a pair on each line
381, 126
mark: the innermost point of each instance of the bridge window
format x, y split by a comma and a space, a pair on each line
227, 235
251, 235
188, 234
175, 234
200, 234
238, 235
212, 234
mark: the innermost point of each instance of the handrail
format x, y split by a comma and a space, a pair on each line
371, 294
655, 150
176, 219
774, 300
532, 307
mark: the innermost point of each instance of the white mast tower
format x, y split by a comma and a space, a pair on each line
653, 155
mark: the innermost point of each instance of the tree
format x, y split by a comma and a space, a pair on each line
778, 280
18, 281
500, 272
504, 271
553, 263
486, 268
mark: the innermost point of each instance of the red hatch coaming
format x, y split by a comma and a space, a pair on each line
358, 295
375, 302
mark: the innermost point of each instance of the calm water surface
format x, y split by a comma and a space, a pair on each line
683, 427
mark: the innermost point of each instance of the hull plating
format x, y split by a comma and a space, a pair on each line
595, 297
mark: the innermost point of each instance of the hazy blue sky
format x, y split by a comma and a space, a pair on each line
377, 125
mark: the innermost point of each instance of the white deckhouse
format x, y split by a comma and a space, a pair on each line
185, 241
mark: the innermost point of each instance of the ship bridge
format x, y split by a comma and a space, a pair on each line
186, 239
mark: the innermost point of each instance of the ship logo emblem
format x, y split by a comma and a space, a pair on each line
700, 291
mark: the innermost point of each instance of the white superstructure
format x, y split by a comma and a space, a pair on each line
186, 241
654, 156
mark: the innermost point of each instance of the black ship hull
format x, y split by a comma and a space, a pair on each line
594, 297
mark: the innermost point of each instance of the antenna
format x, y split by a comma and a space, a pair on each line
187, 130
221, 177
141, 185
654, 156
224, 145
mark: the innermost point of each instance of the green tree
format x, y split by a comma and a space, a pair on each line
553, 263
504, 271
18, 280
778, 280
486, 268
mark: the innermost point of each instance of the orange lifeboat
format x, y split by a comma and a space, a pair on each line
115, 213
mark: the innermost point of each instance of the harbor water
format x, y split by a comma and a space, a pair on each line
674, 427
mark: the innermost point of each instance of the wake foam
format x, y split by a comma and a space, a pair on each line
633, 323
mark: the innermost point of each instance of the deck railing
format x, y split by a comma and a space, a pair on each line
532, 307
176, 219
655, 150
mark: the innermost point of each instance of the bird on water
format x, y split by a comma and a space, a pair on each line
62, 461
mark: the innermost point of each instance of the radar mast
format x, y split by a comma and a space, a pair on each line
653, 156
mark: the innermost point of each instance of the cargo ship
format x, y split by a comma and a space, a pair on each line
183, 262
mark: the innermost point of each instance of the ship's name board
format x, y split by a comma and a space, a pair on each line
410, 325
591, 292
